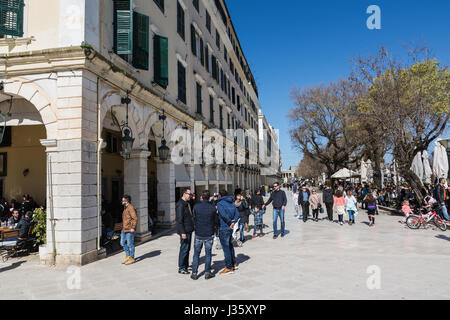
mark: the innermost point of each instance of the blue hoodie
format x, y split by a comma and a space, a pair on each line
228, 213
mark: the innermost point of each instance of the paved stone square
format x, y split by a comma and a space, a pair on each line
316, 260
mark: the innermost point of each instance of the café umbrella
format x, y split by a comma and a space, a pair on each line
440, 161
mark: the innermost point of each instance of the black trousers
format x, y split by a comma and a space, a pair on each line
305, 209
315, 213
329, 210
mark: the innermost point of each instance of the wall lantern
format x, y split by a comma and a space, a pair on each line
163, 151
127, 133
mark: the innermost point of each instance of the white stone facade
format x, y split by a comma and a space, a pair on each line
75, 82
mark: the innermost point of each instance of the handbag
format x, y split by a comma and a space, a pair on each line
321, 210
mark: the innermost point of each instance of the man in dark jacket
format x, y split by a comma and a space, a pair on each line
24, 226
228, 216
303, 200
328, 199
279, 199
204, 221
185, 227
441, 197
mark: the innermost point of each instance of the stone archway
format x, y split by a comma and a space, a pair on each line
33, 93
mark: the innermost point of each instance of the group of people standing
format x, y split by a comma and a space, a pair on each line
222, 215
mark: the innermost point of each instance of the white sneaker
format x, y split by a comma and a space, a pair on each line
341, 223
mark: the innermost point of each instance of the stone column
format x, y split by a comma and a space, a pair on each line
217, 178
191, 168
166, 192
136, 185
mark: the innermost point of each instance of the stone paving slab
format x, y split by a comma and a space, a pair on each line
316, 260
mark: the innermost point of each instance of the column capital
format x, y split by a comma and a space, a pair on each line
50, 144
136, 154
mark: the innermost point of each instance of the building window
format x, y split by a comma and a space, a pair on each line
11, 17
180, 21
160, 4
211, 109
228, 121
181, 82
199, 98
196, 5
218, 39
233, 95
208, 22
221, 117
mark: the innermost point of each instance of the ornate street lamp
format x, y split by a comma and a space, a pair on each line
127, 133
163, 151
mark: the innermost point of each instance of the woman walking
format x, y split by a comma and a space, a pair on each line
315, 205
339, 205
351, 207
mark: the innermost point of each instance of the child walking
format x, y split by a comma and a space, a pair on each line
339, 205
351, 207
372, 208
258, 213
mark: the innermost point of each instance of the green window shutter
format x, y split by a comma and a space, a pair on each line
193, 41
11, 17
202, 53
211, 109
207, 58
181, 83
140, 39
161, 61
123, 26
199, 98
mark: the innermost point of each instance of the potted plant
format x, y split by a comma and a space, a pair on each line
39, 231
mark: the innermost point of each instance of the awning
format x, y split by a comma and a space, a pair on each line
212, 176
221, 177
182, 178
199, 177
229, 179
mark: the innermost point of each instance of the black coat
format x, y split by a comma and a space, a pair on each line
279, 199
327, 195
205, 215
244, 212
257, 200
24, 227
184, 219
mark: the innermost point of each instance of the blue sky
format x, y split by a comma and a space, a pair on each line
304, 43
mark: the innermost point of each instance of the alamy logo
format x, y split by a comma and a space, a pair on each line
74, 280
374, 21
374, 280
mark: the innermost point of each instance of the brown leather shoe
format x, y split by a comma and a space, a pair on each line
130, 261
126, 259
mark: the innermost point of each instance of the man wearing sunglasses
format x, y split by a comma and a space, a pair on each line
185, 227
279, 199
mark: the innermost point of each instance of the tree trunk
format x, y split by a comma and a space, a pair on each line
377, 174
415, 184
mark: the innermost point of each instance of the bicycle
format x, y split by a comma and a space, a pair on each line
414, 221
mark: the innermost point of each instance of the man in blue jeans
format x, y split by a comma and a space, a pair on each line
204, 214
279, 199
228, 216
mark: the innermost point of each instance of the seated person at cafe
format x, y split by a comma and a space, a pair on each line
15, 218
24, 226
107, 224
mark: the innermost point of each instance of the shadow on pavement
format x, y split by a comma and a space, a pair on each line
149, 255
12, 266
441, 236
